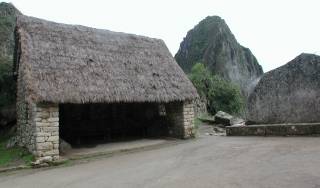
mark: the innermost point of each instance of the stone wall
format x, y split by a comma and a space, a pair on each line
25, 113
289, 129
181, 119
25, 126
38, 129
38, 126
47, 130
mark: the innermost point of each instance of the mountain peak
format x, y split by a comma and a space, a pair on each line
8, 9
212, 43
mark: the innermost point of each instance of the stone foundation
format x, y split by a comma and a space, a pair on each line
181, 119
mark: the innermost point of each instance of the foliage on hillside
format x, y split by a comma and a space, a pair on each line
220, 94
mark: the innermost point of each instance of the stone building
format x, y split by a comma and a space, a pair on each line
74, 81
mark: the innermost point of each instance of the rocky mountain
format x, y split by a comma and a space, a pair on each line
288, 94
212, 43
8, 15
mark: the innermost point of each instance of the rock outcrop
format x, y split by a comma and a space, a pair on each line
8, 14
212, 43
288, 94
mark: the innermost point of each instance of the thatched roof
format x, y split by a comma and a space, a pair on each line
75, 64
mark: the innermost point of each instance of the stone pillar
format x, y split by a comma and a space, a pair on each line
47, 131
181, 119
188, 119
25, 125
25, 116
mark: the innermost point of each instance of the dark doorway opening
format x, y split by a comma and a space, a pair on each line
87, 124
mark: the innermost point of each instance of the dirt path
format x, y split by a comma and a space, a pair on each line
210, 161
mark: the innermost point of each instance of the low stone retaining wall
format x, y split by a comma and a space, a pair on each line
297, 129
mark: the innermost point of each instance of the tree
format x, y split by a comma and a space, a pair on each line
220, 94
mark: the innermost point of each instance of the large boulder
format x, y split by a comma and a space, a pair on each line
212, 43
288, 94
226, 119
223, 118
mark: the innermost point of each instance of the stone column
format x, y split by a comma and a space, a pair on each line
188, 119
181, 119
47, 131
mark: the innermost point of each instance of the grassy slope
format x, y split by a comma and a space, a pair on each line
13, 156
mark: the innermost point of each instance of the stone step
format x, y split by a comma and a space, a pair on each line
292, 129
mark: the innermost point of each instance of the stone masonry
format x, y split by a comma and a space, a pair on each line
38, 126
181, 118
38, 129
47, 130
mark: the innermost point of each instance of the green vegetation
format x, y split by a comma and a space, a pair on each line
7, 24
221, 94
197, 123
7, 83
13, 156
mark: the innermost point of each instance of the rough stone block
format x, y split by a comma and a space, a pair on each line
54, 114
42, 124
54, 124
53, 119
43, 134
55, 134
42, 115
45, 146
50, 129
53, 138
40, 139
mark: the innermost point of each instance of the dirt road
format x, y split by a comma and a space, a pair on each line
206, 162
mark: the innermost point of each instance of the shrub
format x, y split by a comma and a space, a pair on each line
220, 94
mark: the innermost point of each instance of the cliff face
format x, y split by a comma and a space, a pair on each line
288, 94
8, 15
212, 43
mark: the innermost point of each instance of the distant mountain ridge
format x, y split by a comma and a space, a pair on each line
212, 43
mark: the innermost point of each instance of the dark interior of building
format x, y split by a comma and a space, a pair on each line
95, 123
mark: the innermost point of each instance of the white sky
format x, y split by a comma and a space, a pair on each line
276, 31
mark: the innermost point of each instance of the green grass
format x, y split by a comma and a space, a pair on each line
206, 117
197, 123
13, 156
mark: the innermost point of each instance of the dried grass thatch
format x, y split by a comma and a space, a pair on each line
62, 63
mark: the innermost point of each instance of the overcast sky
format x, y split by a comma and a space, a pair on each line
276, 31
